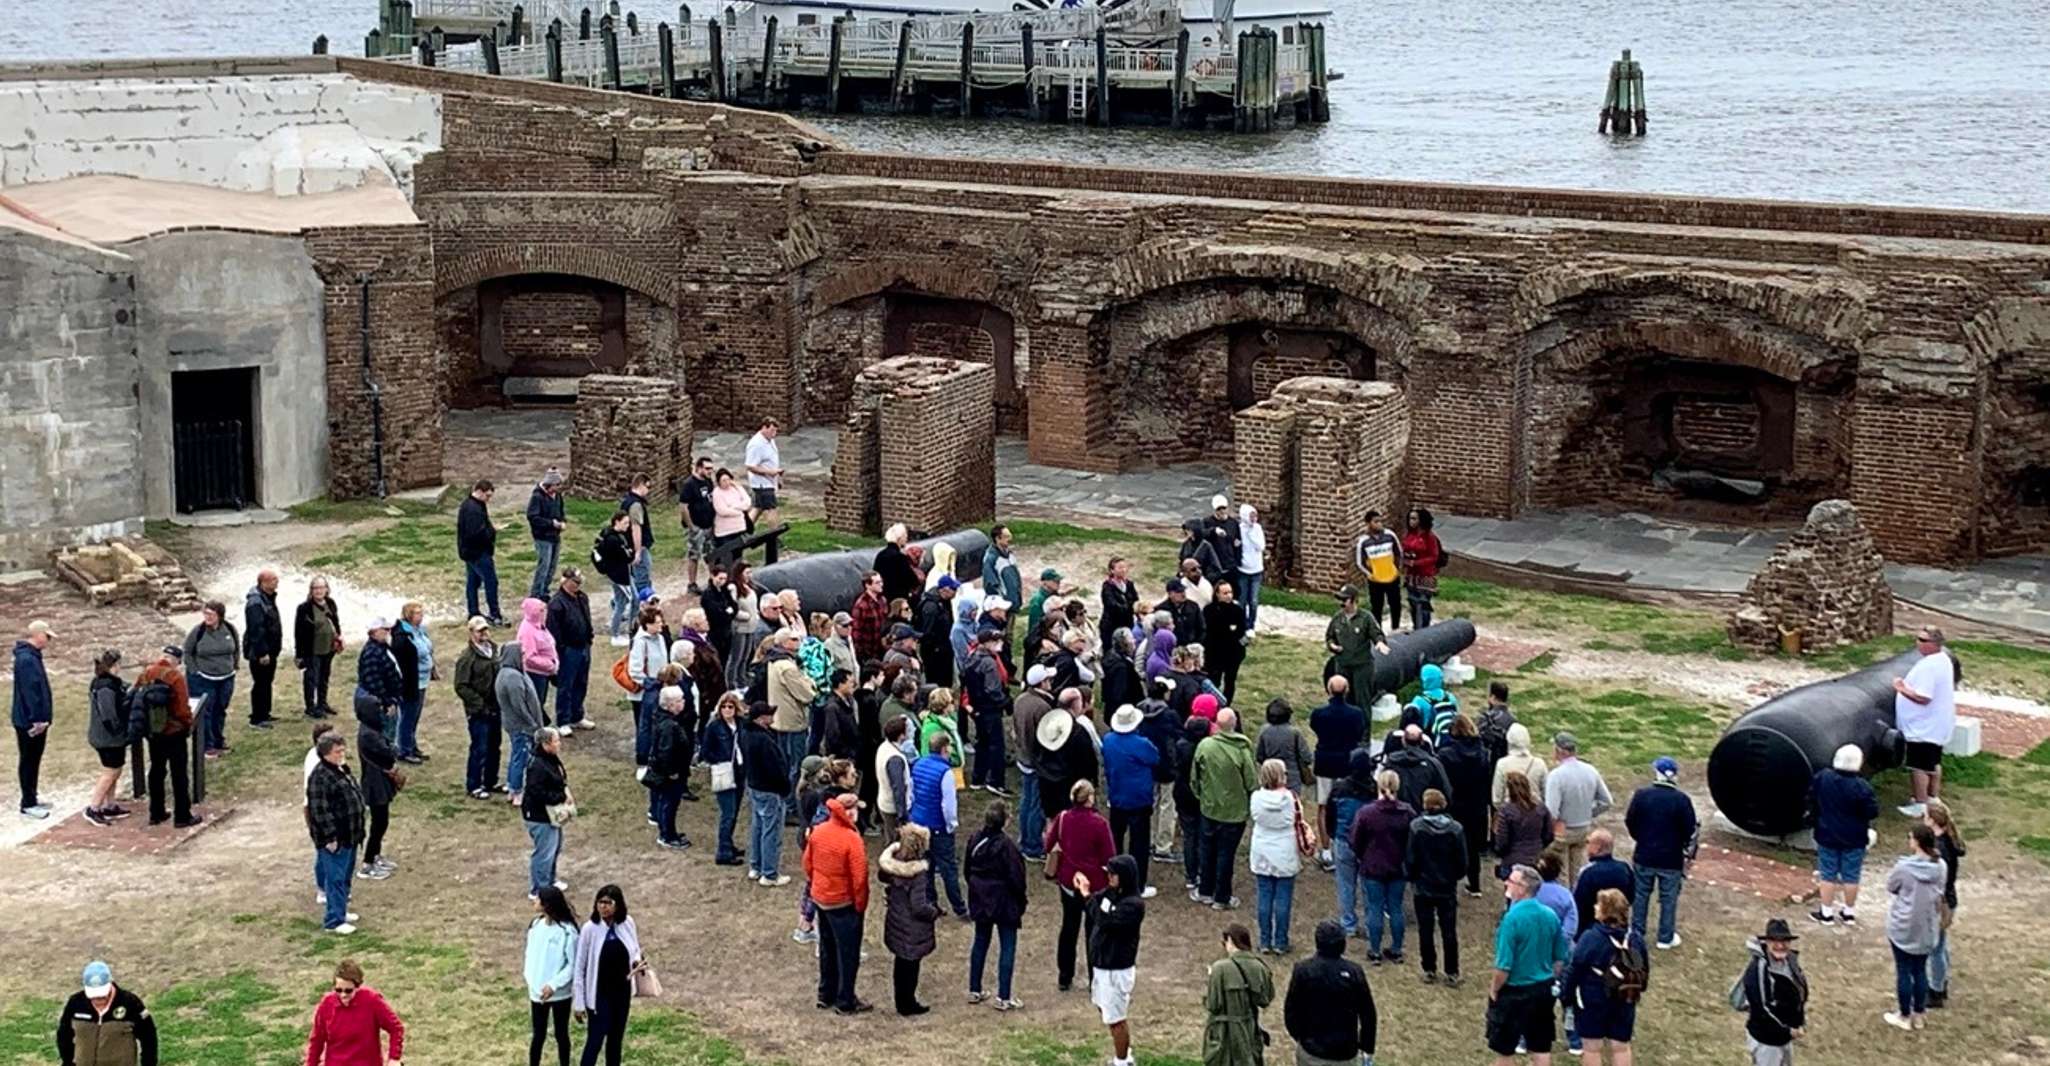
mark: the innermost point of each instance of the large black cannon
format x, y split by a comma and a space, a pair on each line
1760, 770
1408, 652
830, 581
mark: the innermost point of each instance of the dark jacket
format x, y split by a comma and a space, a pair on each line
995, 869
543, 511
900, 580
1470, 773
1160, 726
1188, 621
1520, 835
106, 709
302, 629
547, 785
1419, 770
719, 607
1329, 1011
983, 684
569, 618
1223, 626
1113, 917
1662, 821
1585, 987
1775, 997
1845, 807
935, 637
1119, 677
377, 669
31, 686
1194, 731
1435, 859
1120, 602
668, 750
1950, 849
376, 754
1605, 872
719, 741
1222, 534
612, 555
475, 535
1352, 792
263, 630
407, 653
476, 676
125, 1036
762, 758
908, 922
334, 806
1339, 727
1198, 548
1380, 838
839, 732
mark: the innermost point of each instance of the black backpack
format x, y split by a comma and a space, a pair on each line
149, 709
1627, 973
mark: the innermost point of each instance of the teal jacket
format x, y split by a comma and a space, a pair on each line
551, 949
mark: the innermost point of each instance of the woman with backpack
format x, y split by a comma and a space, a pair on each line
1606, 975
106, 729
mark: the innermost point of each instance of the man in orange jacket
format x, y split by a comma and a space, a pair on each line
836, 861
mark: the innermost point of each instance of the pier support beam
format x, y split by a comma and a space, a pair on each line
716, 51
768, 59
900, 93
552, 42
1102, 77
490, 47
1031, 85
1179, 90
516, 34
833, 66
609, 34
1320, 77
665, 60
968, 70
320, 45
373, 44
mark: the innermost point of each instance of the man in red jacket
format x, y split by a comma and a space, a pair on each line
347, 1024
836, 862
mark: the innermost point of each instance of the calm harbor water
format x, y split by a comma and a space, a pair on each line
1887, 101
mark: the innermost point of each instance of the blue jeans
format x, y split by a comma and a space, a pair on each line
572, 683
214, 714
541, 682
547, 846
482, 769
1275, 899
1419, 607
1249, 595
333, 870
410, 706
481, 573
645, 710
516, 763
642, 573
989, 749
622, 610
794, 745
1910, 982
1668, 882
666, 798
943, 868
765, 831
1348, 884
1939, 963
546, 552
1384, 898
1007, 956
729, 814
1031, 820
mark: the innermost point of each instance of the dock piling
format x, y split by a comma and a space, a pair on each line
552, 43
715, 46
1180, 88
320, 45
1623, 103
1320, 75
373, 44
900, 93
490, 47
968, 70
833, 66
609, 36
1241, 111
584, 25
633, 25
1031, 82
516, 33
768, 59
426, 51
665, 52
1102, 77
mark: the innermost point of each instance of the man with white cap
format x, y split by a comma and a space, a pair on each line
30, 713
1221, 531
1129, 759
1031, 705
103, 1025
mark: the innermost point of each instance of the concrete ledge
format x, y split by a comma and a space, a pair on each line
544, 388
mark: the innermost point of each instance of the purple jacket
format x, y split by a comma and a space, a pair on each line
1380, 838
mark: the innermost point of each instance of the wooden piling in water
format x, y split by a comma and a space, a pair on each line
900, 93
1031, 61
833, 66
1241, 113
490, 47
716, 49
320, 45
1320, 72
552, 45
1102, 77
373, 44
1636, 79
426, 52
584, 25
610, 36
665, 58
1623, 104
633, 25
517, 32
768, 59
968, 70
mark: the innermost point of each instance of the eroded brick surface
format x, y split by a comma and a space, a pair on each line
918, 446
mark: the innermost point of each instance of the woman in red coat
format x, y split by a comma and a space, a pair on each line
1083, 838
1422, 552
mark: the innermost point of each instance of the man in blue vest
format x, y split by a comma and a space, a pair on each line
641, 532
935, 805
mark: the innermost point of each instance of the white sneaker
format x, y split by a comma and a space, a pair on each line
343, 929
1897, 1021
619, 642
320, 899
1149, 893
562, 886
777, 881
35, 813
1912, 810
352, 916
1668, 945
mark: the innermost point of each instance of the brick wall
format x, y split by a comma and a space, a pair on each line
1715, 426
405, 361
1827, 582
1916, 481
627, 426
920, 443
1314, 458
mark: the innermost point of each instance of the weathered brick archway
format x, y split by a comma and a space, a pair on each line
585, 261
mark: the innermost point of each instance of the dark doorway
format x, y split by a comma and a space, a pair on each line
213, 433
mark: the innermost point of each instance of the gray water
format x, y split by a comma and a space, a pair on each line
1883, 101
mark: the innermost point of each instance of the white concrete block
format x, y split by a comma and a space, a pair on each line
1456, 672
1964, 738
1386, 709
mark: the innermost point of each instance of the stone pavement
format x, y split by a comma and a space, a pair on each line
1634, 550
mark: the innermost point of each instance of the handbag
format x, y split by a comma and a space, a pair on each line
1053, 854
622, 677
722, 776
397, 777
559, 814
646, 983
1305, 839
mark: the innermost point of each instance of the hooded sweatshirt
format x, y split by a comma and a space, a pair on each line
31, 686
1273, 852
1114, 916
1433, 707
1522, 761
1159, 652
1435, 858
537, 644
519, 707
1776, 996
1252, 542
1914, 918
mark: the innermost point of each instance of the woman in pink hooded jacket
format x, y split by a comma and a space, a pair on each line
537, 645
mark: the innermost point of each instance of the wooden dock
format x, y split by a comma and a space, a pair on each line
1064, 65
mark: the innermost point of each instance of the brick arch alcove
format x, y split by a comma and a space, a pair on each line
601, 264
1180, 359
1664, 403
2012, 338
873, 311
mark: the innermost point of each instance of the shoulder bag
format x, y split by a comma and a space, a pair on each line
646, 984
1053, 854
559, 814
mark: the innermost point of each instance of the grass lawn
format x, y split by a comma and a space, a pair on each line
220, 936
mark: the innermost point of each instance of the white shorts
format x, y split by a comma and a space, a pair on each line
1324, 786
1111, 991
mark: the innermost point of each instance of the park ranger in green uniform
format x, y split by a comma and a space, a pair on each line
105, 1026
1352, 638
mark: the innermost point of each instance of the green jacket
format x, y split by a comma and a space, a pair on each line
1225, 777
1355, 637
476, 675
1240, 985
931, 725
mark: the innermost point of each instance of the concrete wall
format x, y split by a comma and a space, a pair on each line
287, 135
217, 301
69, 425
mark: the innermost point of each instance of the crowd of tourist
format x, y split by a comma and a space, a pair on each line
1108, 746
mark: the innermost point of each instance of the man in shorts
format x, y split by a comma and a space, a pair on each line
694, 507
1925, 711
1113, 917
764, 473
1528, 952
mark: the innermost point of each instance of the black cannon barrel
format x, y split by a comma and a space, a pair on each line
830, 581
1408, 652
1760, 770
